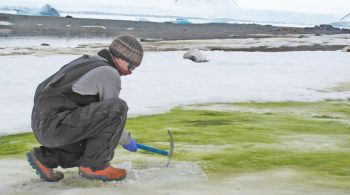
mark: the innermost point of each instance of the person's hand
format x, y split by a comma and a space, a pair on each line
131, 146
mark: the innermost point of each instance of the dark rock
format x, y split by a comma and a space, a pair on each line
233, 36
327, 27
68, 16
45, 44
150, 39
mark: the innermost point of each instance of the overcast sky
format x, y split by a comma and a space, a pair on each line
338, 7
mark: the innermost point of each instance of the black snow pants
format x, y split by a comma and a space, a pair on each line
86, 137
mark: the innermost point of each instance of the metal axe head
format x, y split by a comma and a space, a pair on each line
171, 150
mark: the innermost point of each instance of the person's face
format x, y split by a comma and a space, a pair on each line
122, 66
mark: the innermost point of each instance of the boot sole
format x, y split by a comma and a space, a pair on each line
31, 160
99, 177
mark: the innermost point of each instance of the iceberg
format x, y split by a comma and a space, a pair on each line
46, 10
181, 21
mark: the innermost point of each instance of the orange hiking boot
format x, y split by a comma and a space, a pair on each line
45, 173
108, 174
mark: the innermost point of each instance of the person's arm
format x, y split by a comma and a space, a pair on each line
125, 138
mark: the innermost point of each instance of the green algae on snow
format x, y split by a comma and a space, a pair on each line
312, 137
16, 144
234, 138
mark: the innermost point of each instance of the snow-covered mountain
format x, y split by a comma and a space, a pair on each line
344, 22
346, 18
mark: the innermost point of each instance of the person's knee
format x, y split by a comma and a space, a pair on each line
117, 105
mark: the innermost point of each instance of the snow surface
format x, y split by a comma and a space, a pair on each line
182, 178
165, 80
18, 177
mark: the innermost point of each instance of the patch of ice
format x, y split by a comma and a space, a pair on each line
18, 176
176, 172
5, 23
309, 142
101, 27
304, 142
60, 43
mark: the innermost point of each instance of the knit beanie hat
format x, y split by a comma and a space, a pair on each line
127, 48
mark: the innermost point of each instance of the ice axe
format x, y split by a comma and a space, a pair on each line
159, 151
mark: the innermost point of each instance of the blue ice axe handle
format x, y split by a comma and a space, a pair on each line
151, 149
159, 151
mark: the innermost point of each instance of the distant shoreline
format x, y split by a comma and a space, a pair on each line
20, 25
41, 45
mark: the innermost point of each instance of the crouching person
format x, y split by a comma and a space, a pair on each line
78, 117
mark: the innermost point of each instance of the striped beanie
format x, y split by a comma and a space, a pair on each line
127, 48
